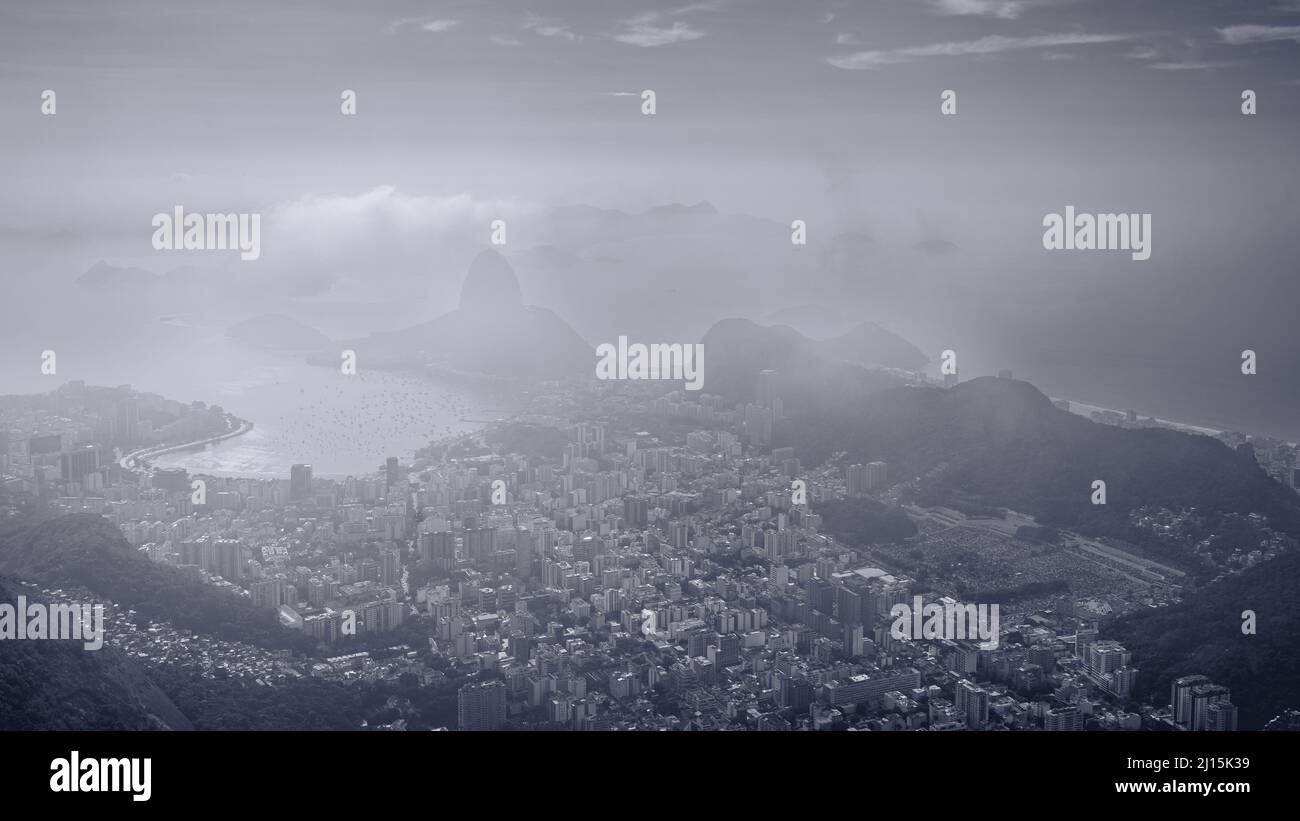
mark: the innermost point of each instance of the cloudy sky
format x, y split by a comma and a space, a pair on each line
822, 111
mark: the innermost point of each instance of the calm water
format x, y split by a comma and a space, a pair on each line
339, 424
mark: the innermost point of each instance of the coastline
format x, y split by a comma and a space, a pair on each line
138, 459
1085, 410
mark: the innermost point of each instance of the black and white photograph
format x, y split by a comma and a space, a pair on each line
512, 369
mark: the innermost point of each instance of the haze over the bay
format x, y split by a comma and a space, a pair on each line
768, 111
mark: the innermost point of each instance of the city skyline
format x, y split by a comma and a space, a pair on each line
923, 365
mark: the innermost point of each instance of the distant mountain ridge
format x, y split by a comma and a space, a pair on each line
736, 350
869, 344
491, 333
1002, 441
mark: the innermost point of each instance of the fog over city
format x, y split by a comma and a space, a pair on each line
769, 112
906, 365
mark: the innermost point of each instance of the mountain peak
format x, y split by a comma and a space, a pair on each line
490, 285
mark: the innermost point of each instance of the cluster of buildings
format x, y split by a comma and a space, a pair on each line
1196, 703
654, 573
69, 439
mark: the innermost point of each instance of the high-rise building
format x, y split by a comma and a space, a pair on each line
1120, 682
76, 464
856, 479
382, 616
1220, 716
391, 472
758, 424
45, 443
390, 566
300, 483
1180, 698
323, 626
127, 415
479, 543
972, 702
877, 475
523, 554
636, 511
765, 390
1063, 718
590, 439
1203, 696
1083, 638
848, 605
778, 543
862, 479
227, 559
729, 650
855, 641
778, 575
267, 593
821, 595
175, 480
1104, 657
482, 706
439, 548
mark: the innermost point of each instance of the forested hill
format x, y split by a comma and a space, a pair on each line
1002, 443
60, 685
87, 551
1203, 635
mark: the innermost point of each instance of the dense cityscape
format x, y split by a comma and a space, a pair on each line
622, 557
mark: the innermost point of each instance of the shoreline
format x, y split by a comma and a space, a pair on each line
1086, 409
138, 459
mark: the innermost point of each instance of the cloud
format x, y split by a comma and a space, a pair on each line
382, 238
1143, 53
1005, 9
845, 38
434, 26
646, 31
1001, 9
1189, 66
709, 5
544, 27
504, 40
992, 44
1248, 34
